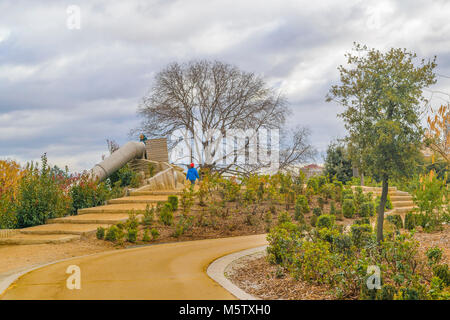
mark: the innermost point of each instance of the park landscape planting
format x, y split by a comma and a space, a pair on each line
324, 232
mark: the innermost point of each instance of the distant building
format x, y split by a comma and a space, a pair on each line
312, 170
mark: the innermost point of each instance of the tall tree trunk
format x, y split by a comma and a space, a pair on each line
380, 218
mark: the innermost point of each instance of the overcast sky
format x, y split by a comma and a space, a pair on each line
66, 91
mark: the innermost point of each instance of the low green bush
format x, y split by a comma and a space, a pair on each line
112, 234
317, 211
146, 236
155, 233
313, 220
348, 208
132, 235
284, 217
173, 200
100, 233
367, 209
166, 214
332, 208
325, 221
149, 215
410, 222
396, 220
360, 233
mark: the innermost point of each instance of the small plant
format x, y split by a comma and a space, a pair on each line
434, 255
146, 236
149, 215
100, 233
313, 220
166, 214
410, 222
332, 208
173, 200
112, 234
367, 209
283, 217
183, 225
325, 221
268, 217
317, 211
132, 235
396, 220
360, 233
321, 202
132, 222
155, 233
348, 208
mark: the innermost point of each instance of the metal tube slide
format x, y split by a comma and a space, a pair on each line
118, 159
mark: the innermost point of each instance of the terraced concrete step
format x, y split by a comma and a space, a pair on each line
115, 208
92, 219
397, 204
39, 239
64, 228
404, 209
374, 189
401, 198
155, 193
150, 199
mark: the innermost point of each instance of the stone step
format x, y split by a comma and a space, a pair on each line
156, 192
374, 189
150, 199
39, 239
123, 208
398, 204
401, 210
401, 198
92, 219
64, 228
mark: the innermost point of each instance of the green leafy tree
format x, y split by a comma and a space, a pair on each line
338, 163
381, 93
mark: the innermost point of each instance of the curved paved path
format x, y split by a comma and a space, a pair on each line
166, 271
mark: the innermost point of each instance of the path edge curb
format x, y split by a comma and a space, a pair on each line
216, 271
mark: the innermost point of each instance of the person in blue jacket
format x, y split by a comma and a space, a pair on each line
192, 174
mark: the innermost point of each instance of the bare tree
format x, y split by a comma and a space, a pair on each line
203, 99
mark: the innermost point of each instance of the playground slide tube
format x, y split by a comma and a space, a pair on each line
118, 159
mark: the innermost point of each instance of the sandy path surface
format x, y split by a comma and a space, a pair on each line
165, 271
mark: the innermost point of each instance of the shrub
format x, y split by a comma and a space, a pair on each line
132, 222
313, 220
317, 211
268, 217
410, 221
112, 233
347, 194
41, 196
302, 204
155, 233
132, 235
149, 215
367, 209
388, 205
183, 225
173, 200
321, 202
360, 233
313, 184
396, 220
361, 221
100, 233
332, 208
166, 214
434, 255
348, 208
387, 292
146, 236
443, 273
86, 193
283, 240
124, 177
284, 217
325, 221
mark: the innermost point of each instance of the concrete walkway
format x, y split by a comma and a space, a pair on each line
167, 271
